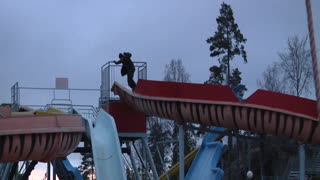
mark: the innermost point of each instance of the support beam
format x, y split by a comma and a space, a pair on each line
181, 152
162, 163
2, 168
29, 169
54, 174
13, 170
142, 161
249, 156
7, 170
133, 162
301, 162
48, 171
153, 167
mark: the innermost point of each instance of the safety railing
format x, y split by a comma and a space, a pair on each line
15, 100
65, 103
108, 77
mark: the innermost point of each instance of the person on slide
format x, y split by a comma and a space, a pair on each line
127, 68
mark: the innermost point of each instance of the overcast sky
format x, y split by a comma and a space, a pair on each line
42, 40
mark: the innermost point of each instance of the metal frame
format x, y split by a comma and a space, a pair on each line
15, 96
135, 169
144, 160
149, 156
161, 159
107, 80
248, 136
251, 137
181, 152
302, 158
144, 164
89, 111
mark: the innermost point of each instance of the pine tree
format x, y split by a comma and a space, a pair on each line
216, 76
86, 167
235, 83
226, 43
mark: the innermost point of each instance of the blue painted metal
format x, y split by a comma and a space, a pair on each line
54, 170
106, 149
302, 159
75, 171
2, 168
204, 166
153, 167
181, 152
5, 169
133, 162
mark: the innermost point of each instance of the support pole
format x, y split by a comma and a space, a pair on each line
48, 171
163, 165
135, 169
2, 168
181, 152
7, 170
27, 163
249, 156
142, 161
54, 170
313, 54
301, 162
29, 169
153, 167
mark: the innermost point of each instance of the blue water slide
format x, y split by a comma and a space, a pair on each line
106, 149
74, 170
204, 166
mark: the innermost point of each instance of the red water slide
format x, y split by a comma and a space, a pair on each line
212, 105
38, 136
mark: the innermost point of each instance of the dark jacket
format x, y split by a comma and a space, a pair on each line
127, 66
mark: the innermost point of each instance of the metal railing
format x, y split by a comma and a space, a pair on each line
107, 79
15, 96
65, 104
87, 111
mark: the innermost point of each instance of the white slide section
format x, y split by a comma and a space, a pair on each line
106, 149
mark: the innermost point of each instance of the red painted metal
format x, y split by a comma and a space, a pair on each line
5, 111
284, 102
41, 124
263, 112
128, 120
40, 138
185, 90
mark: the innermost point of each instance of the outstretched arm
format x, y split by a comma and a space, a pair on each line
118, 62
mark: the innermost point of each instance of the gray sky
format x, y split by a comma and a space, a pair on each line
41, 40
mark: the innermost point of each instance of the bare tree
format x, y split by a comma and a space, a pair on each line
175, 71
271, 79
296, 65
